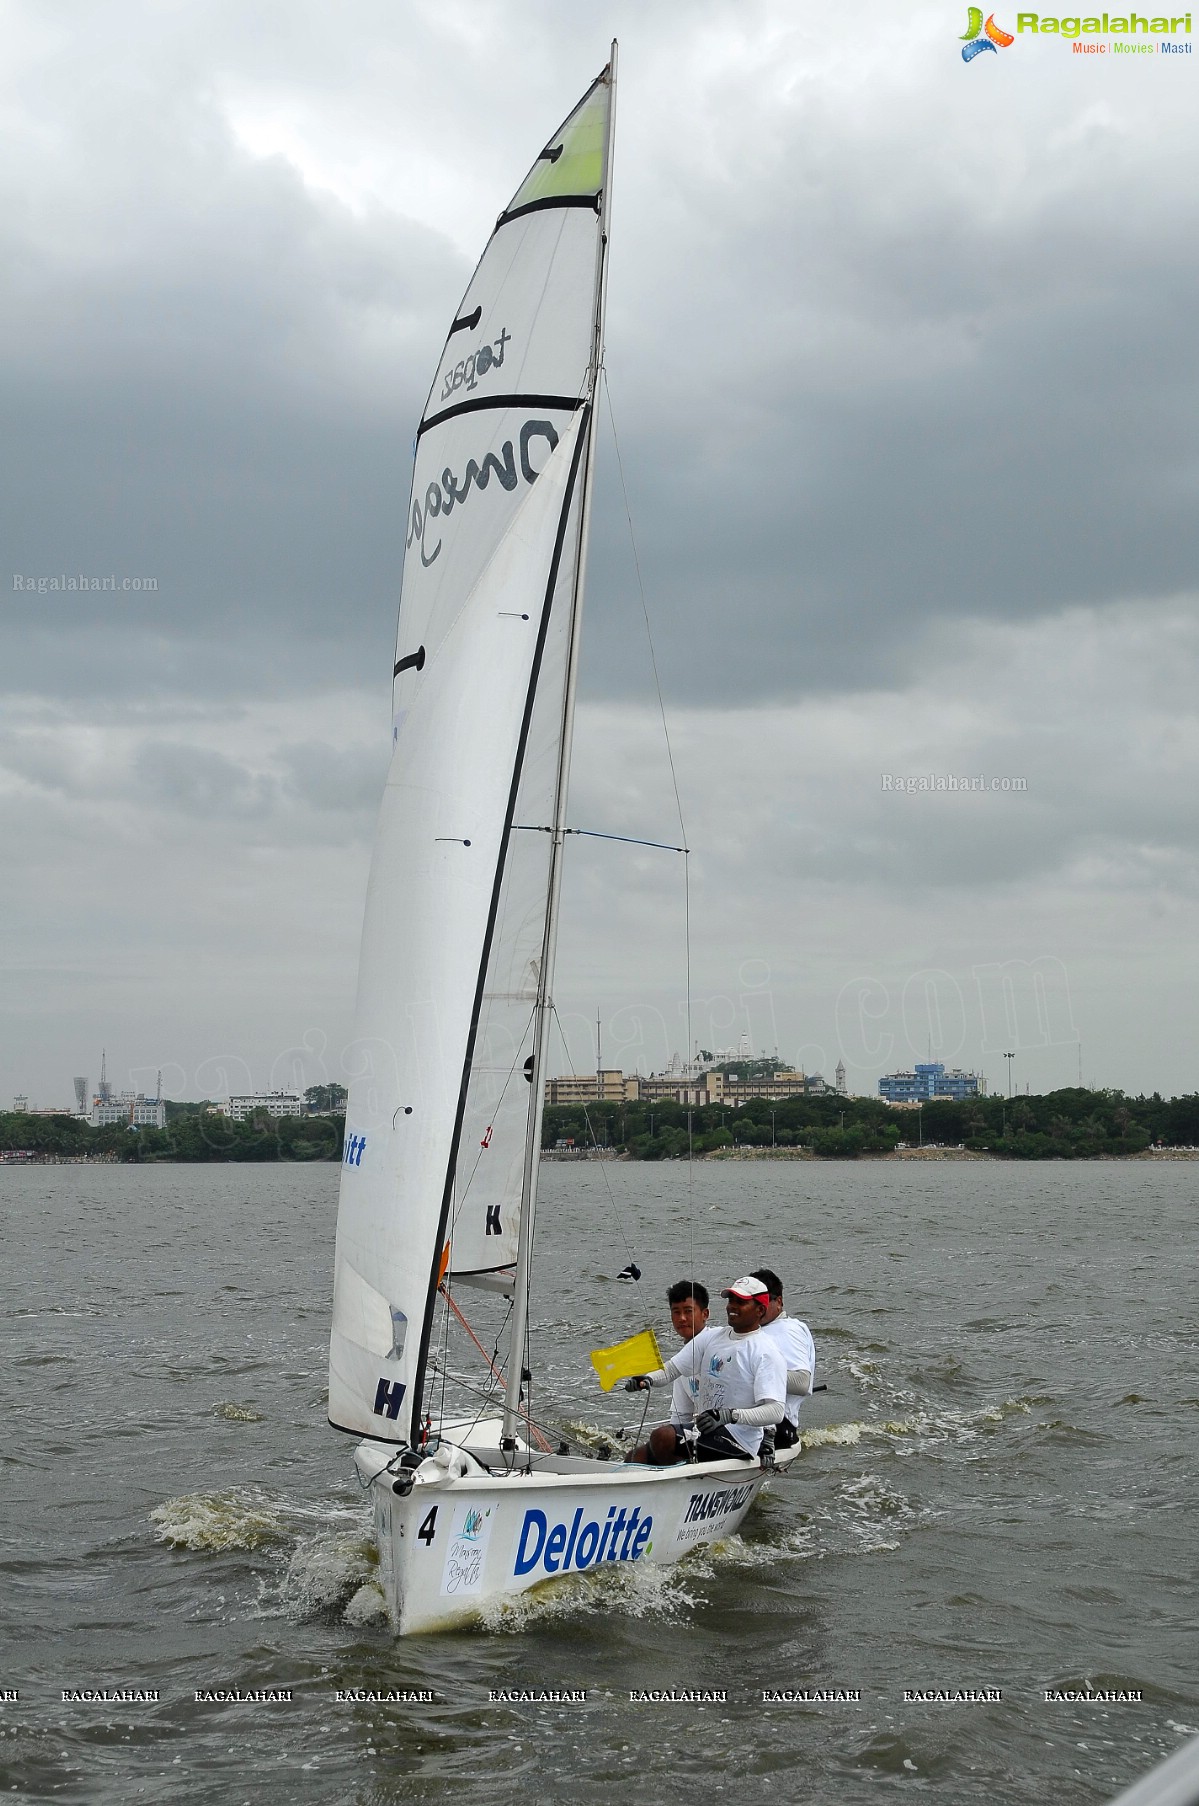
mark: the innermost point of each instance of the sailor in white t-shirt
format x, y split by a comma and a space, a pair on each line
794, 1339
688, 1301
742, 1384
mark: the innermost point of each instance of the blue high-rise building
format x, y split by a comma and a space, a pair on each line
928, 1080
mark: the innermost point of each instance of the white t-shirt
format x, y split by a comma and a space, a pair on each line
794, 1340
684, 1394
733, 1370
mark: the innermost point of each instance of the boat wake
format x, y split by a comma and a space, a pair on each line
329, 1574
245, 1518
921, 1427
327, 1570
628, 1589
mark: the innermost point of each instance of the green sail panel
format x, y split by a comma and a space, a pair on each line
572, 163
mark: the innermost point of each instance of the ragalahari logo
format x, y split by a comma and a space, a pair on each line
979, 37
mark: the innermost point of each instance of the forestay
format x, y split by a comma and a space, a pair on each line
455, 922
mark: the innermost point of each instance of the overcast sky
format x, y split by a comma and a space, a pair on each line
902, 362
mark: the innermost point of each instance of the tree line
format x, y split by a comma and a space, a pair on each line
1071, 1124
1074, 1124
193, 1132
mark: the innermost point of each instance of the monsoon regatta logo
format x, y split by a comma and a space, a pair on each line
978, 37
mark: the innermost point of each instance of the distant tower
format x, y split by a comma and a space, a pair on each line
105, 1093
81, 1097
841, 1091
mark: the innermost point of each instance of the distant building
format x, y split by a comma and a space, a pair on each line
131, 1108
840, 1077
604, 1087
275, 1103
679, 1088
775, 1087
690, 1085
929, 1079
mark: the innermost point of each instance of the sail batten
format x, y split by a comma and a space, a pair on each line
565, 404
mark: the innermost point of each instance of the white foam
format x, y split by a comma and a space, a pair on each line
930, 1425
242, 1519
630, 1589
368, 1605
325, 1571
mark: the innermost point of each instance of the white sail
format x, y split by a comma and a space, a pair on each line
456, 909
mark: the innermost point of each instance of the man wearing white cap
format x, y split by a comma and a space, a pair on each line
742, 1384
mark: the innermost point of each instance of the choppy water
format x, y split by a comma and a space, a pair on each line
998, 1492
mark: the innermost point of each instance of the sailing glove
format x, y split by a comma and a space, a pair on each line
712, 1420
638, 1383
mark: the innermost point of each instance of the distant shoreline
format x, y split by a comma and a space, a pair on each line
583, 1154
896, 1154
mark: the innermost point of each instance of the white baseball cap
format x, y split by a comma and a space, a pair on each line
749, 1287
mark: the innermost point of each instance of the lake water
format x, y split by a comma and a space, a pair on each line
998, 1492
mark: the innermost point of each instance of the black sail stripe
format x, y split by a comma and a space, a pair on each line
551, 200
479, 403
418, 1383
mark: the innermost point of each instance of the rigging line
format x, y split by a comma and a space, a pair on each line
457, 1310
629, 840
628, 1246
690, 1113
457, 1209
624, 490
545, 1426
444, 1347
490, 1398
678, 801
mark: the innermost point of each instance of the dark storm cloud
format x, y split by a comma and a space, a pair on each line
862, 387
880, 414
201, 403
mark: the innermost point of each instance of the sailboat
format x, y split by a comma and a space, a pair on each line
443, 1118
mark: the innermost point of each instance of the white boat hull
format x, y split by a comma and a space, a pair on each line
452, 1544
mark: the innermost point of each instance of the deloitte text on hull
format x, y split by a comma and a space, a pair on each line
557, 1548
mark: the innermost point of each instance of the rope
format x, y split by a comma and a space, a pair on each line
629, 840
629, 1248
678, 803
454, 1306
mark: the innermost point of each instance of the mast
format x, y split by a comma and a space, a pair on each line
545, 1003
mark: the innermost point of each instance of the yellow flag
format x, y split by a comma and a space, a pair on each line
640, 1354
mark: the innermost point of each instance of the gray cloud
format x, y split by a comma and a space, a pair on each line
905, 396
869, 385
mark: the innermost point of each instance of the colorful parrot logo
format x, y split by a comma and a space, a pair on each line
979, 37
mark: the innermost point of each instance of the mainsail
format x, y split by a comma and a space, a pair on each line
453, 947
